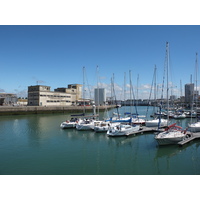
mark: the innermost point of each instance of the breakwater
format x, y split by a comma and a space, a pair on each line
22, 110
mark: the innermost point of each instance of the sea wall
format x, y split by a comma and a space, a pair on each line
21, 110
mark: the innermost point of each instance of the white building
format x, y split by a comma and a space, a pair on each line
99, 96
8, 99
40, 95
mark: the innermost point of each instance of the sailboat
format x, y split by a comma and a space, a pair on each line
103, 126
122, 130
195, 127
88, 122
158, 120
173, 134
70, 123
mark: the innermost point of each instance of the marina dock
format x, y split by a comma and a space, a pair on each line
145, 129
187, 140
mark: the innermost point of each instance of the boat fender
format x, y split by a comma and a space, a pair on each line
188, 135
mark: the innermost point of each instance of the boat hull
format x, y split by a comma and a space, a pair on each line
195, 127
84, 127
66, 125
154, 123
168, 141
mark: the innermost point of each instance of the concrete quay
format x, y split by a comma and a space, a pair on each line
23, 110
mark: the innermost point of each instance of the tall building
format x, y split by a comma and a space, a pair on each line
99, 96
40, 95
189, 92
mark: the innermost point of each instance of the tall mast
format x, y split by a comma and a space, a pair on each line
196, 72
84, 88
98, 88
130, 92
167, 52
155, 87
124, 91
137, 87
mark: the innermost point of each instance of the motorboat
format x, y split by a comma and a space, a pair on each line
172, 135
103, 126
70, 123
122, 130
155, 122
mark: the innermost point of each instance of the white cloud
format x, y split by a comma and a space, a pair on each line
2, 90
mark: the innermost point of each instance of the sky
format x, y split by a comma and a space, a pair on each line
54, 55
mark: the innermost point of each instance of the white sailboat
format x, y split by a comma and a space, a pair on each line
70, 123
122, 130
103, 126
86, 124
195, 127
156, 122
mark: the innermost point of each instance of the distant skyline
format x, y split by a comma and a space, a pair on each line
55, 56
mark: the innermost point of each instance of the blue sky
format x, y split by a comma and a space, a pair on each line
55, 55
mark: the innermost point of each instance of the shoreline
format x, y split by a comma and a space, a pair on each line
24, 110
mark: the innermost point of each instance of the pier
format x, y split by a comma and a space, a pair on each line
23, 110
145, 129
189, 139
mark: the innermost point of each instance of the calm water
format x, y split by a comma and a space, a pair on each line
35, 145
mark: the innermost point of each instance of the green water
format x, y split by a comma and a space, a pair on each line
35, 145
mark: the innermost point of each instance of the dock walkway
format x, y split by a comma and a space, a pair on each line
187, 140
145, 129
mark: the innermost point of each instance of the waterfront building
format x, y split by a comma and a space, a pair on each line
8, 99
99, 96
189, 91
41, 95
22, 102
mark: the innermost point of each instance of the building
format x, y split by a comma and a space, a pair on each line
189, 91
8, 99
40, 95
99, 96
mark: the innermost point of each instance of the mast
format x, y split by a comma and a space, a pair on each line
167, 51
98, 89
196, 72
130, 92
155, 87
137, 87
124, 91
115, 95
84, 90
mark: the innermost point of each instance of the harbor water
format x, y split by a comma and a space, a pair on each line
36, 145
